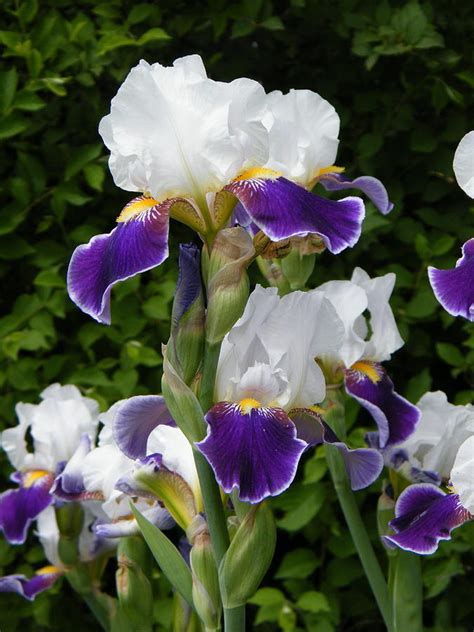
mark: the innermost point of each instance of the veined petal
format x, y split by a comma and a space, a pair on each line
282, 209
395, 417
363, 465
19, 507
29, 588
135, 420
372, 187
424, 516
252, 449
69, 484
137, 244
462, 474
454, 288
463, 164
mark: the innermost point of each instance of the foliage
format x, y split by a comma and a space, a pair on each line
400, 74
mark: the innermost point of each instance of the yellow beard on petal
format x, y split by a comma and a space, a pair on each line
136, 207
331, 169
47, 570
248, 404
30, 478
368, 370
258, 172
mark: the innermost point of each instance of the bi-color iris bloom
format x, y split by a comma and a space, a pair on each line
61, 424
366, 343
93, 478
194, 148
89, 547
267, 385
444, 443
454, 288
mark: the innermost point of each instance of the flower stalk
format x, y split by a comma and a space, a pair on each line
347, 501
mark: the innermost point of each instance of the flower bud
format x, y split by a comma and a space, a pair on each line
70, 519
133, 587
228, 286
206, 597
297, 269
188, 316
248, 557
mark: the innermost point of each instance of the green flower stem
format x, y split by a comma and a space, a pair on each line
370, 564
406, 588
234, 619
101, 605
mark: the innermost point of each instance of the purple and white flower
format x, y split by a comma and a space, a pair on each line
89, 547
454, 288
444, 443
267, 384
194, 148
58, 426
96, 474
359, 355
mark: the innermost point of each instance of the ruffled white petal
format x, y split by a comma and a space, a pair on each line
174, 132
440, 432
303, 134
462, 475
463, 164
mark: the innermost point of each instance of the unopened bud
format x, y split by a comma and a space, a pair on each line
206, 597
228, 287
188, 315
69, 518
133, 587
297, 269
248, 557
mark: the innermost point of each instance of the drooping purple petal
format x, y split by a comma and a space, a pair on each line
395, 417
137, 244
282, 209
363, 465
157, 515
256, 452
19, 507
69, 483
372, 187
136, 418
454, 288
189, 285
29, 588
424, 516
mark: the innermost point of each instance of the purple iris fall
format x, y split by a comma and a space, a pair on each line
195, 148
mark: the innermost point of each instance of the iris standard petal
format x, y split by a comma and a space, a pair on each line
424, 516
282, 209
29, 588
363, 465
463, 164
253, 450
19, 507
454, 288
372, 187
137, 244
395, 417
135, 420
69, 484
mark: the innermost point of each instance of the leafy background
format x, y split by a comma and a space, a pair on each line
401, 75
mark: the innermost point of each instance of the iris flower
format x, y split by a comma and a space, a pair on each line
62, 423
454, 288
193, 148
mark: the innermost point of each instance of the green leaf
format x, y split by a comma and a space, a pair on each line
268, 597
28, 101
95, 176
8, 85
50, 278
13, 247
167, 556
273, 23
450, 353
297, 564
153, 35
313, 601
80, 158
11, 125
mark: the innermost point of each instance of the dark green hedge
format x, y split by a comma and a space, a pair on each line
401, 75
